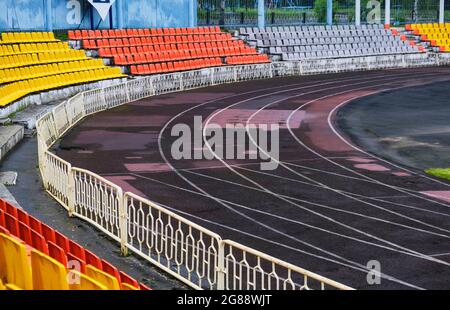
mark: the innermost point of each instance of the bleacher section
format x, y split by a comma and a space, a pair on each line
438, 35
33, 256
163, 50
321, 42
35, 61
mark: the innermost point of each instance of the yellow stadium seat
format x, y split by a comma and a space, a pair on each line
85, 283
128, 287
14, 265
7, 37
27, 37
48, 274
102, 277
12, 287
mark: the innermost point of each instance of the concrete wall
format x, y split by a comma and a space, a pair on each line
79, 14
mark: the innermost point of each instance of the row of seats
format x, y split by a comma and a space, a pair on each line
131, 59
428, 27
437, 34
14, 91
14, 49
163, 40
21, 60
27, 37
322, 41
31, 72
111, 52
168, 47
35, 256
328, 53
334, 46
242, 60
128, 33
175, 66
321, 34
311, 42
250, 30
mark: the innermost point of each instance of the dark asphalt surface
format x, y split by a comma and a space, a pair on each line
408, 126
329, 207
30, 195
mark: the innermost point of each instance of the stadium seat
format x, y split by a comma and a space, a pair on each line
102, 277
38, 242
126, 279
92, 259
84, 283
57, 253
128, 287
14, 266
48, 274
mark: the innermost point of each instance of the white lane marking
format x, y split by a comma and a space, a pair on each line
442, 254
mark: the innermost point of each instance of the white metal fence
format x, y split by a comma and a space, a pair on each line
189, 252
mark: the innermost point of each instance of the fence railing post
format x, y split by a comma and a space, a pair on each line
123, 223
71, 192
127, 92
150, 86
300, 67
221, 266
211, 72
181, 82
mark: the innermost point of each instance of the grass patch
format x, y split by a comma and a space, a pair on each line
443, 173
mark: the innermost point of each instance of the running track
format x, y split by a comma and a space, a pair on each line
329, 207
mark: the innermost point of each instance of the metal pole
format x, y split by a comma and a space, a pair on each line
387, 19
119, 6
329, 12
261, 14
48, 13
357, 12
441, 11
191, 13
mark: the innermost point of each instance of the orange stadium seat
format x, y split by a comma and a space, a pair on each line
57, 253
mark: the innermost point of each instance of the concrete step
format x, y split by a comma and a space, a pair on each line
10, 136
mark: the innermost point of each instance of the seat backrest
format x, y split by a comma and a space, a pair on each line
48, 274
102, 277
14, 266
81, 282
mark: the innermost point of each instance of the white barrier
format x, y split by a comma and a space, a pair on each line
187, 251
